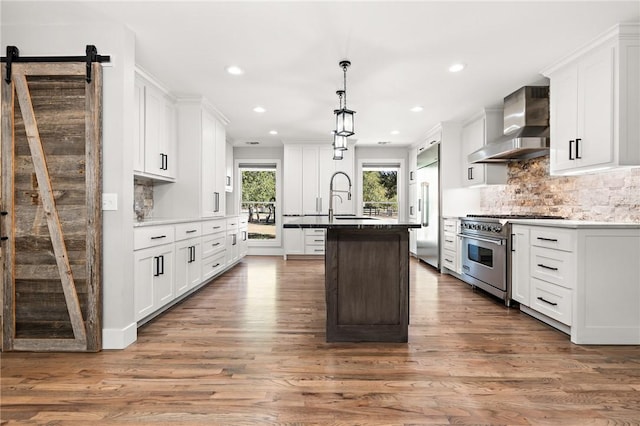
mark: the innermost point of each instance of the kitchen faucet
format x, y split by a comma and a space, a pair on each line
332, 193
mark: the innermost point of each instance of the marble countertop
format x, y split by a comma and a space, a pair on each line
574, 224
348, 222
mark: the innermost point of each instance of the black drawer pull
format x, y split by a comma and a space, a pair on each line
159, 237
191, 231
553, 240
217, 227
547, 267
215, 244
542, 299
216, 265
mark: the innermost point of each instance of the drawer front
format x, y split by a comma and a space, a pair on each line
213, 265
554, 266
212, 244
243, 221
315, 231
450, 226
188, 230
450, 242
213, 226
152, 236
552, 300
314, 240
314, 249
232, 224
555, 238
449, 259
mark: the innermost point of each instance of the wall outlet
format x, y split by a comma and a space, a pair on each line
109, 201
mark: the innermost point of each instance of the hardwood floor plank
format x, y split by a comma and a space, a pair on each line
250, 349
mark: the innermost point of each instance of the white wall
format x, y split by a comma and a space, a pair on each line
118, 320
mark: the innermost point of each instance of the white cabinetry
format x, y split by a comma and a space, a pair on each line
228, 183
188, 256
153, 269
214, 253
200, 190
451, 245
595, 105
477, 132
581, 280
154, 132
243, 236
314, 241
232, 246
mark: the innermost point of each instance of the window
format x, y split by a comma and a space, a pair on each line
380, 191
257, 199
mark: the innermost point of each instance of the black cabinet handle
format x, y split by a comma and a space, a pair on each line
470, 173
411, 175
228, 180
191, 231
411, 210
547, 267
553, 240
164, 162
216, 265
216, 202
512, 245
542, 299
215, 244
161, 265
156, 266
571, 157
159, 237
578, 155
244, 235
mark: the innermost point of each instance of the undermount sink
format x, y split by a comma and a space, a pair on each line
355, 218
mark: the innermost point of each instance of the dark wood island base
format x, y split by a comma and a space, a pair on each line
367, 285
366, 278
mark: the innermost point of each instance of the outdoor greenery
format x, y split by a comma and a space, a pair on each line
379, 189
258, 186
258, 202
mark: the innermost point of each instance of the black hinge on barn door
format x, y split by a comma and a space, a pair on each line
51, 190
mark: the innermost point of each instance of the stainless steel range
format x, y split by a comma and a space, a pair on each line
486, 248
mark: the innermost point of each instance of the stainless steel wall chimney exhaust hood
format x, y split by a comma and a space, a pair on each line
526, 128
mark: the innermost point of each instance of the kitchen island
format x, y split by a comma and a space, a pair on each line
366, 277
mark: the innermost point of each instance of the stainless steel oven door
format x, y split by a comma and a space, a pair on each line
485, 259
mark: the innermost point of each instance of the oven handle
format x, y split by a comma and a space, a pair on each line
486, 240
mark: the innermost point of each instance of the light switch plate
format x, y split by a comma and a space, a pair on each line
109, 201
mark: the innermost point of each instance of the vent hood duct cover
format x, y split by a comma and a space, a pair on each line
526, 128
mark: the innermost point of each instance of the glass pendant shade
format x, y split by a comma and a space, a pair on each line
344, 122
339, 142
337, 153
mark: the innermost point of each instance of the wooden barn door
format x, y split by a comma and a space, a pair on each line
51, 204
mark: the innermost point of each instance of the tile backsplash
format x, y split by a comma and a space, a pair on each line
142, 199
612, 196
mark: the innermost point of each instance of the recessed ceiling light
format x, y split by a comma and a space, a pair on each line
235, 70
456, 67
416, 108
395, 132
259, 109
273, 132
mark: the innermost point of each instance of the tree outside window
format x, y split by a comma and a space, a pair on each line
380, 193
259, 203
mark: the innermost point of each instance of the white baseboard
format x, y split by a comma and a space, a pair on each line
115, 338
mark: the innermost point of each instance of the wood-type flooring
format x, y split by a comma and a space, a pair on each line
249, 349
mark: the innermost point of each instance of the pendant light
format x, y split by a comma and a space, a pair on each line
337, 153
344, 116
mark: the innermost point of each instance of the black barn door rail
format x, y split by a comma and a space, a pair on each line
91, 55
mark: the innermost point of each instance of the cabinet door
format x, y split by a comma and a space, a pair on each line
292, 183
311, 202
167, 139
138, 123
208, 165
154, 126
595, 106
563, 117
233, 250
188, 265
144, 270
520, 282
243, 242
472, 140
228, 184
219, 170
164, 280
413, 202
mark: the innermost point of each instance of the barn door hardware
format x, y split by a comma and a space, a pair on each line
91, 55
3, 238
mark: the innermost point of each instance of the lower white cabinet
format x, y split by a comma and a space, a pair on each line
451, 245
581, 279
314, 241
243, 237
170, 261
154, 280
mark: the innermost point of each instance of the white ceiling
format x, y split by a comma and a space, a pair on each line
400, 52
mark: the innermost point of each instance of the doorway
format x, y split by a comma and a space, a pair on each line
259, 195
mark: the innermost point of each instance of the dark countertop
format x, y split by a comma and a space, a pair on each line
348, 222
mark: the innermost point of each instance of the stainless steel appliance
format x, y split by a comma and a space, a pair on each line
486, 249
428, 177
526, 128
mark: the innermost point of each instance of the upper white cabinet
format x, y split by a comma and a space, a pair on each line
477, 132
154, 131
307, 175
200, 189
228, 179
595, 105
